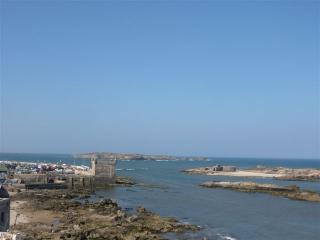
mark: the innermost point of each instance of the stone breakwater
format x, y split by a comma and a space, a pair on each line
291, 192
59, 214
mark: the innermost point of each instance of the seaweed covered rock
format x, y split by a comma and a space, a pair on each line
67, 217
291, 192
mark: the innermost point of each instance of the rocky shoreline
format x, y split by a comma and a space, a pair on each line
278, 173
292, 192
62, 214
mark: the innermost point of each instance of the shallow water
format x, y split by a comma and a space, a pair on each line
224, 214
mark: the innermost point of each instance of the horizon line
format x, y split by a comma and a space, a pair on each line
175, 155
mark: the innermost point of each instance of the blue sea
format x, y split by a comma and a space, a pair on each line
222, 214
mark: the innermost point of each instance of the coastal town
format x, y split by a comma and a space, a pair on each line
46, 201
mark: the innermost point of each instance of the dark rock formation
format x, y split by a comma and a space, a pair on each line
291, 192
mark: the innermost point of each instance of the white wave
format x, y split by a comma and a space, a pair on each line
130, 169
173, 160
227, 237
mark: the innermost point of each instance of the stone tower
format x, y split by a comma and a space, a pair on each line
103, 168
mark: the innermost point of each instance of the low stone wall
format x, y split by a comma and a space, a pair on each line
32, 178
91, 182
46, 186
229, 168
46, 181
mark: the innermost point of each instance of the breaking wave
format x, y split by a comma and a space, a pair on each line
130, 169
226, 237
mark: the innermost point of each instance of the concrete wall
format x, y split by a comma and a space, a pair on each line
4, 214
229, 168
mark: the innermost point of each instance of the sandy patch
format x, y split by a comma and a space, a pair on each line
16, 215
21, 213
241, 173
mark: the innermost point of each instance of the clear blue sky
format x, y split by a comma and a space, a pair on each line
235, 78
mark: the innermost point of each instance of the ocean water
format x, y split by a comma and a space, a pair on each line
222, 214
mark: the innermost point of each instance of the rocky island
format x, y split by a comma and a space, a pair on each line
138, 156
280, 173
291, 192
